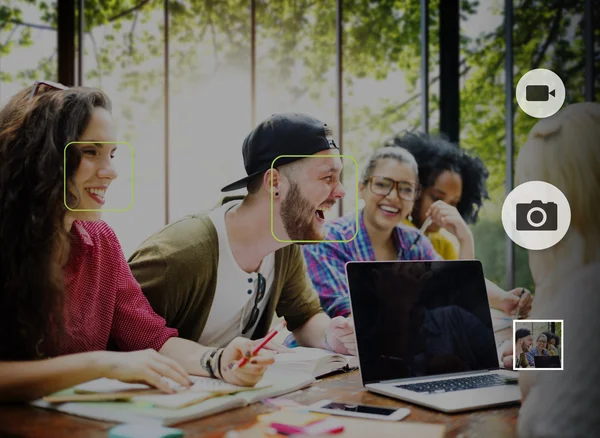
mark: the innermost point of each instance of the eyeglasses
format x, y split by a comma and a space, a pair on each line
260, 294
383, 186
42, 85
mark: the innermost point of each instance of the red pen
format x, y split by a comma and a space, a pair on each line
244, 360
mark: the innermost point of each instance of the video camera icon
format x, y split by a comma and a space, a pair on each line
540, 93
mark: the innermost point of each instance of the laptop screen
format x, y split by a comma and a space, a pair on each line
546, 361
417, 319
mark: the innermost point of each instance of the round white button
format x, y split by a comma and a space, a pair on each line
536, 215
540, 93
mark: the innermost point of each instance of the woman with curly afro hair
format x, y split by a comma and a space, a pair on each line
453, 188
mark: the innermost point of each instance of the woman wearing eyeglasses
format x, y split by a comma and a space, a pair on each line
389, 187
66, 291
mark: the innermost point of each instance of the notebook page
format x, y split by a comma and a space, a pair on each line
105, 385
302, 354
201, 384
175, 401
281, 380
206, 384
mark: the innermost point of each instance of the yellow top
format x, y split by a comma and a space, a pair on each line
442, 245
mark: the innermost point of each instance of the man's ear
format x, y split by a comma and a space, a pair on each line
272, 176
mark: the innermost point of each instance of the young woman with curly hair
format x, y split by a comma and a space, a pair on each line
453, 188
66, 291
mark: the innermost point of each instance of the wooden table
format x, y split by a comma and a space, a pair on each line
25, 421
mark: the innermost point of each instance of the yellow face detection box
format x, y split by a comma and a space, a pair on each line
356, 197
118, 193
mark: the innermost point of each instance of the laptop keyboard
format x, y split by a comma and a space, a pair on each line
461, 384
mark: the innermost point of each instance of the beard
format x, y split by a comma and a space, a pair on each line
297, 215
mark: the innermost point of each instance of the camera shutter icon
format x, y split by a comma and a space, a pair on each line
536, 215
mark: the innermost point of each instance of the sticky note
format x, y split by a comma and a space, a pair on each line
291, 418
144, 431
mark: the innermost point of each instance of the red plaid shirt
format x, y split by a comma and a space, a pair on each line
103, 301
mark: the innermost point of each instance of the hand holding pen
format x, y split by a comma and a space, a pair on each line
518, 302
249, 358
239, 349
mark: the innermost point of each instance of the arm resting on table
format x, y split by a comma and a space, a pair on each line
30, 380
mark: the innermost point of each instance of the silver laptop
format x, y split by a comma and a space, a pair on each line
425, 335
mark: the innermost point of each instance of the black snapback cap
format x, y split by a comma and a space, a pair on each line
281, 134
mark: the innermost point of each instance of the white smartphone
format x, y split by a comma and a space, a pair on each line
360, 411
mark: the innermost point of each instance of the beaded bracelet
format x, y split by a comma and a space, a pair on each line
206, 364
211, 363
219, 369
203, 362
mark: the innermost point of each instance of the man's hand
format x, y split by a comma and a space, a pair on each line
251, 372
517, 299
340, 335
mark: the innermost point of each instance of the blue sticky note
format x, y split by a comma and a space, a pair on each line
144, 431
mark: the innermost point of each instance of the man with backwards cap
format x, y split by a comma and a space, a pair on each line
221, 274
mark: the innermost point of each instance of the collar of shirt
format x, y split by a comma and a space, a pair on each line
401, 241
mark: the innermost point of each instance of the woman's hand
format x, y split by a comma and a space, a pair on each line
145, 366
253, 370
448, 217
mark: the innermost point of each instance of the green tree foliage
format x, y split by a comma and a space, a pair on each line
380, 38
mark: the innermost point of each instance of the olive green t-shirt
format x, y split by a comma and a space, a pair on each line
177, 271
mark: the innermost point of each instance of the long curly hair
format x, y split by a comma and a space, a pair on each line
435, 155
34, 243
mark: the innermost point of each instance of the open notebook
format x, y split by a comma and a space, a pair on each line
315, 361
114, 390
207, 397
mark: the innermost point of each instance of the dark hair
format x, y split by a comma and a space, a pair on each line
34, 244
521, 333
435, 155
254, 184
554, 336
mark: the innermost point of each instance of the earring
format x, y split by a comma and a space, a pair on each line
410, 218
276, 194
